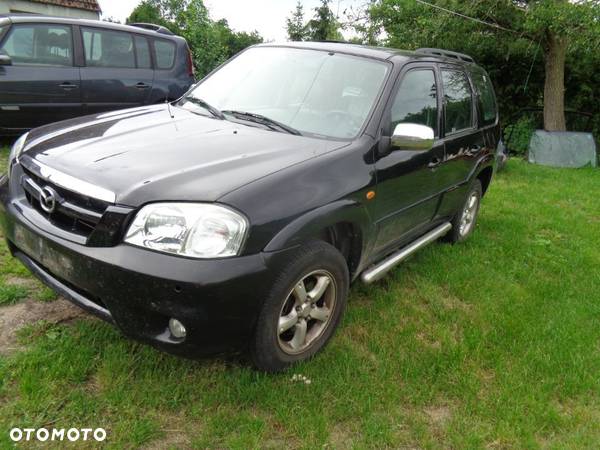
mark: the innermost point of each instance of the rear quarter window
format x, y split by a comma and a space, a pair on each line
485, 97
165, 54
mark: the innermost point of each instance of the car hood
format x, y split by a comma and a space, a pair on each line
144, 154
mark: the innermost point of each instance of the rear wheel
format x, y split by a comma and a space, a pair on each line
464, 222
303, 308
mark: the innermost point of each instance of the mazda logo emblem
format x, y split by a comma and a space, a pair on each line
48, 199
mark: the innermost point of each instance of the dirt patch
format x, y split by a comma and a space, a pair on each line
343, 435
174, 439
14, 317
438, 415
28, 283
428, 341
450, 301
175, 432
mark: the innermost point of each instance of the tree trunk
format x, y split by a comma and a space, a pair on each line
554, 88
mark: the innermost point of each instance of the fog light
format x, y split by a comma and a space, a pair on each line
177, 329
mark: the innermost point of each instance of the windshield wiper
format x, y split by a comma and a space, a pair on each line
258, 118
211, 109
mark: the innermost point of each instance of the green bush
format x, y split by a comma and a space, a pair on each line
518, 135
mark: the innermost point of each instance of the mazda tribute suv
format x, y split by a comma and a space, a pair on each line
235, 218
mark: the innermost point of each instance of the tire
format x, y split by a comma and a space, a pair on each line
286, 332
462, 230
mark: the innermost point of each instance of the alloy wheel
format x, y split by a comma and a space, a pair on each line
306, 312
469, 214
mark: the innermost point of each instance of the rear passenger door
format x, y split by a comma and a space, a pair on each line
488, 109
463, 140
41, 85
118, 69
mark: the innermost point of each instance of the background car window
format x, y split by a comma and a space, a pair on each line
487, 100
165, 54
106, 48
143, 52
39, 44
458, 101
416, 100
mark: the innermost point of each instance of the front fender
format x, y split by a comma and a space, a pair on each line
310, 224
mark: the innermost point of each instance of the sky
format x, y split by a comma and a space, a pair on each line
265, 16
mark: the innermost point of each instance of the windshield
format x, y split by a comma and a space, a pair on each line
311, 91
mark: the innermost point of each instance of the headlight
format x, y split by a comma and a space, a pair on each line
15, 151
189, 229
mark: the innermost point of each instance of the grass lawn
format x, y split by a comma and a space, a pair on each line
493, 343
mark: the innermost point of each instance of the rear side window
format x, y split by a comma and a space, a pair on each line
165, 54
458, 101
485, 96
107, 48
416, 100
142, 50
39, 44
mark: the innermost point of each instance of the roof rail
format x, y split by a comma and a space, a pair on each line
153, 27
446, 54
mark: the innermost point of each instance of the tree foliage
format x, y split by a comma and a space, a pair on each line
521, 44
211, 42
296, 28
324, 26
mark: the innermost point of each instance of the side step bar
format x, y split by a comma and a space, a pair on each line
380, 269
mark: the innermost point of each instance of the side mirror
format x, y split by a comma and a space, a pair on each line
411, 136
5, 60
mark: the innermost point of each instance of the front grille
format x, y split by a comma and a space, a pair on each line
72, 212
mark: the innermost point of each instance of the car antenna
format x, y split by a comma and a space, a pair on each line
169, 107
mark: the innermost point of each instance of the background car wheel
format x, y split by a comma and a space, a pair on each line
303, 309
464, 222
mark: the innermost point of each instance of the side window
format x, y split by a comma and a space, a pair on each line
142, 50
107, 48
416, 100
165, 54
458, 101
486, 98
50, 45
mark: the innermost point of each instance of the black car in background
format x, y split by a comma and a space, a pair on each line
236, 217
53, 68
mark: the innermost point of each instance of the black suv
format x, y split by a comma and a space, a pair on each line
236, 217
53, 69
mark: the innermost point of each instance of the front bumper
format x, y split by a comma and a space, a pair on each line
139, 290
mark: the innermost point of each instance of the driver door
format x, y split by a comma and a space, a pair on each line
408, 188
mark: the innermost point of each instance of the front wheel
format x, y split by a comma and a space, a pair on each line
303, 309
464, 222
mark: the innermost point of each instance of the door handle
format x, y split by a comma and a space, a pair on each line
67, 86
141, 85
434, 163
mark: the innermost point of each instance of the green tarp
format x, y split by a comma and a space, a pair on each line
562, 149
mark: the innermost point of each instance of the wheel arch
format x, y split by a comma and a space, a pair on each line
343, 224
485, 176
